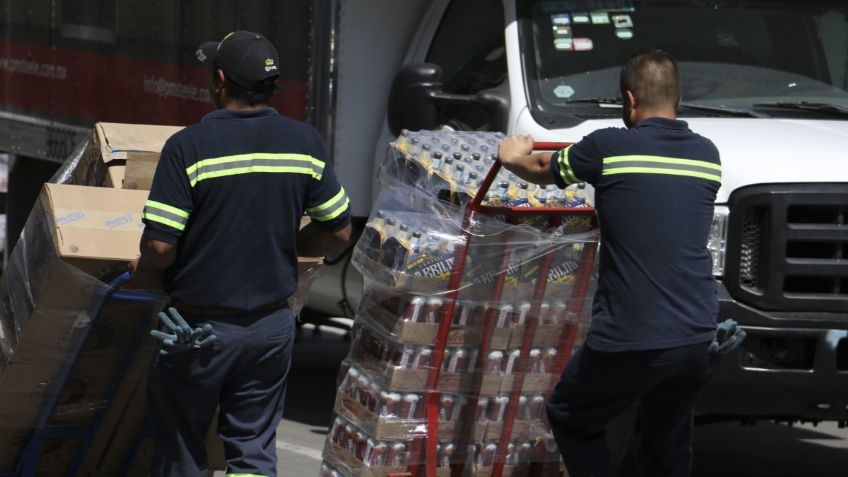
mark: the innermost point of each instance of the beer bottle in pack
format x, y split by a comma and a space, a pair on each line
459, 173
400, 252
403, 140
542, 196
426, 153
373, 236
522, 199
436, 161
472, 180
415, 242
503, 192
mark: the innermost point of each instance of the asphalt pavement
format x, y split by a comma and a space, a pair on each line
721, 450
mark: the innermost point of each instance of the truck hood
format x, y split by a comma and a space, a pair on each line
754, 150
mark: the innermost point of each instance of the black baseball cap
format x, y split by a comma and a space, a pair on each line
247, 58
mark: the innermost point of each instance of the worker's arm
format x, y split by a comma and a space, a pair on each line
516, 155
148, 271
312, 241
579, 162
328, 207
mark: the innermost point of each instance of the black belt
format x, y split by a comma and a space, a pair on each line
199, 310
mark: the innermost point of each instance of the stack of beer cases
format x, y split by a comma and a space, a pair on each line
407, 254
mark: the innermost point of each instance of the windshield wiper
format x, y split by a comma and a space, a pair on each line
601, 102
616, 103
739, 113
826, 108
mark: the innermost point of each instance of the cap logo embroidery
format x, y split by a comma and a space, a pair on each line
200, 55
269, 65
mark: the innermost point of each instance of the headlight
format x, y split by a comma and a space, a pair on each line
717, 243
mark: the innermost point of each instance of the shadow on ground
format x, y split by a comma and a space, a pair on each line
766, 450
721, 449
312, 380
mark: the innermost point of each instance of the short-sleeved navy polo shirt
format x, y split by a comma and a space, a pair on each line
655, 188
230, 193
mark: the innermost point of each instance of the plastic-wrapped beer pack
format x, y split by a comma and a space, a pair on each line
466, 322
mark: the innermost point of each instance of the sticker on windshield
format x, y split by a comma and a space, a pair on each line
583, 44
561, 19
577, 18
624, 33
600, 18
562, 32
564, 44
727, 39
564, 91
622, 21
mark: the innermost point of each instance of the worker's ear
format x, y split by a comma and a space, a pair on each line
219, 77
630, 98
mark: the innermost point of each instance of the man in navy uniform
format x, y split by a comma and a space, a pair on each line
222, 238
654, 313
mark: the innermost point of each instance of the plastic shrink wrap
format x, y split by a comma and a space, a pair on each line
467, 319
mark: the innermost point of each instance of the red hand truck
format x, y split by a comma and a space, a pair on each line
428, 455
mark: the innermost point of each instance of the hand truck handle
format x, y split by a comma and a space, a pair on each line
477, 202
115, 292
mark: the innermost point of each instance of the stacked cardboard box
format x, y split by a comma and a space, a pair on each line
58, 349
122, 156
75, 238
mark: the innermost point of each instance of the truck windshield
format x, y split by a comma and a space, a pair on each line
760, 58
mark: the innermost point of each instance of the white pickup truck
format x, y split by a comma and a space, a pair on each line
765, 80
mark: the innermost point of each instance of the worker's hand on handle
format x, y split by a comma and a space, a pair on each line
513, 148
516, 155
181, 337
728, 337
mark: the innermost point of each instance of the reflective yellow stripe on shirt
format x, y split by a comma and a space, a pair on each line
638, 164
330, 209
565, 170
259, 162
246, 475
165, 214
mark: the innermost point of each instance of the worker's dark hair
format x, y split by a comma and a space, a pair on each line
260, 94
653, 78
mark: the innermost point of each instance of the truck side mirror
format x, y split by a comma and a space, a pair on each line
411, 104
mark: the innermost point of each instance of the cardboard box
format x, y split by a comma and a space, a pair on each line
73, 236
122, 155
390, 322
92, 227
128, 425
546, 335
381, 428
341, 458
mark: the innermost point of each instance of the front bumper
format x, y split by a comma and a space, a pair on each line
791, 366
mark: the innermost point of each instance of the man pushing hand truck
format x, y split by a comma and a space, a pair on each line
653, 338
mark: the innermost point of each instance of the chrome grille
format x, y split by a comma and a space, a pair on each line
790, 242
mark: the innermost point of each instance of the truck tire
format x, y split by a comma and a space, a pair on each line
621, 434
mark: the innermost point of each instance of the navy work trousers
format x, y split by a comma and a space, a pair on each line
244, 373
597, 386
